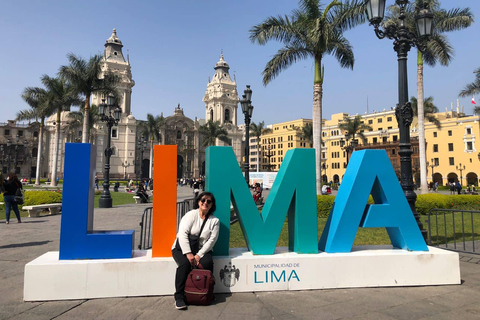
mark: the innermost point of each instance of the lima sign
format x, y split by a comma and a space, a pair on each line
293, 196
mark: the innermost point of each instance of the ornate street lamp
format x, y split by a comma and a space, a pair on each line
433, 165
325, 167
247, 110
268, 155
404, 40
460, 168
142, 146
110, 114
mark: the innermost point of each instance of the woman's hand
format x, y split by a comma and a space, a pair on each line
197, 259
191, 258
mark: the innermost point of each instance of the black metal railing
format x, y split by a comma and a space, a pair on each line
146, 223
454, 229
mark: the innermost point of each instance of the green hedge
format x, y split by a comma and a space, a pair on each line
33, 198
424, 203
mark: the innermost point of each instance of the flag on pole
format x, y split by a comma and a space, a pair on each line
473, 99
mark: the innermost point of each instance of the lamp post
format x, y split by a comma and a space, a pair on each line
404, 40
325, 167
348, 145
433, 165
269, 155
142, 145
247, 110
460, 168
110, 114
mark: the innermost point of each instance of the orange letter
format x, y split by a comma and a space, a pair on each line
164, 221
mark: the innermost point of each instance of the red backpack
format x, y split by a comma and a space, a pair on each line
199, 287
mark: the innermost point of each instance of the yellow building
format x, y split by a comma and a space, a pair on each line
284, 136
384, 135
452, 151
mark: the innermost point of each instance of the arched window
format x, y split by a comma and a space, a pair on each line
35, 134
34, 152
179, 134
211, 114
227, 115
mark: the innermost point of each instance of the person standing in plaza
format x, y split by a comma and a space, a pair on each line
458, 186
11, 186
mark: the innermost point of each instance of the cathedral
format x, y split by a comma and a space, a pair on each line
131, 149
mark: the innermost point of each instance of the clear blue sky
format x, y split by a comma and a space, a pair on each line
174, 46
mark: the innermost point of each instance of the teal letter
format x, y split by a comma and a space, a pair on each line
370, 172
293, 275
255, 276
293, 192
282, 275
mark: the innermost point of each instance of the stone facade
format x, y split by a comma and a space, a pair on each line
131, 154
221, 104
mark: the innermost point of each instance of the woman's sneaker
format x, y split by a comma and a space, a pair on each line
180, 304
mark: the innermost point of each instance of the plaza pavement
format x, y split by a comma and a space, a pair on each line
21, 243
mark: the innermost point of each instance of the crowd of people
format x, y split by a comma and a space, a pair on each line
195, 184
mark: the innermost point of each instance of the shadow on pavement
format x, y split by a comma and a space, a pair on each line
26, 244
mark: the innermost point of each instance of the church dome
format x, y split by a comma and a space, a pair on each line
113, 38
222, 63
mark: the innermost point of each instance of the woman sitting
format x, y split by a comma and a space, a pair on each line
257, 192
202, 223
142, 193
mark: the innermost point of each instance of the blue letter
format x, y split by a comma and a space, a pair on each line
77, 238
293, 192
370, 172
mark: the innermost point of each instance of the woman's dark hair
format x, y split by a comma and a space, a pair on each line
200, 196
12, 176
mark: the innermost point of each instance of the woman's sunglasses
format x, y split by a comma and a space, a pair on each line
208, 201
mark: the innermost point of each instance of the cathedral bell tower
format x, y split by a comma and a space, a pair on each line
114, 61
123, 139
221, 103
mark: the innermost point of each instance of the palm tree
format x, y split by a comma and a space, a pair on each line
257, 131
151, 129
85, 77
355, 127
40, 109
211, 131
437, 49
311, 32
471, 89
428, 111
61, 96
307, 133
76, 121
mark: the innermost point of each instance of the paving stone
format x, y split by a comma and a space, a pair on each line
415, 310
24, 242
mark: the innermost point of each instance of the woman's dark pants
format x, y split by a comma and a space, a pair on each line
183, 269
10, 204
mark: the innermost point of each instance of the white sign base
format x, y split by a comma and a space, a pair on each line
48, 278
